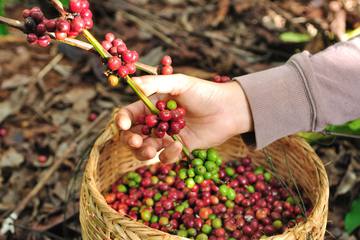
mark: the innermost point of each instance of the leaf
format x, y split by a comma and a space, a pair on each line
11, 158
352, 218
3, 28
293, 37
65, 2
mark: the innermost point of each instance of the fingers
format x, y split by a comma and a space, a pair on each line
129, 114
170, 84
171, 153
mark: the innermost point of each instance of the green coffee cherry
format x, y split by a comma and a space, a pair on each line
171, 105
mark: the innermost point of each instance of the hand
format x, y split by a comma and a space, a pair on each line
214, 113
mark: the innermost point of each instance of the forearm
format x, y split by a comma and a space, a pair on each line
306, 93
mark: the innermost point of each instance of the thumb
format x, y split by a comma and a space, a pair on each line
168, 84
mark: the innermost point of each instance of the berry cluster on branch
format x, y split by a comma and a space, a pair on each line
170, 120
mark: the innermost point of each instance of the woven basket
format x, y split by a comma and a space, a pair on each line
292, 158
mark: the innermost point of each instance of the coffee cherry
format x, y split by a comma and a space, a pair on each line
114, 63
166, 61
42, 159
77, 24
88, 23
26, 13
158, 133
131, 68
171, 105
86, 13
106, 45
75, 6
175, 128
50, 25
146, 130
30, 24
63, 26
44, 41
110, 37
60, 35
113, 80
113, 51
40, 29
123, 71
85, 4
151, 120
161, 105
127, 56
163, 126
32, 38
38, 16
3, 132
165, 115
92, 117
167, 70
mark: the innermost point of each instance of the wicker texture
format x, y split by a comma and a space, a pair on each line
292, 158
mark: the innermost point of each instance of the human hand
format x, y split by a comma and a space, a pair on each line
214, 113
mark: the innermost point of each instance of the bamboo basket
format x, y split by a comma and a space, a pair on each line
292, 157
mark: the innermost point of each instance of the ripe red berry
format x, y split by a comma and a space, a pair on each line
42, 159
32, 38
110, 37
63, 26
114, 63
106, 45
117, 42
86, 13
127, 56
165, 115
85, 4
77, 24
26, 13
181, 122
75, 6
60, 35
50, 25
88, 23
135, 57
163, 126
72, 34
92, 117
131, 68
145, 130
44, 41
123, 71
40, 29
166, 61
113, 51
161, 105
121, 47
167, 70
175, 127
3, 132
38, 16
151, 120
158, 133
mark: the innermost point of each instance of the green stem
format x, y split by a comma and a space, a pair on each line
98, 47
185, 150
141, 95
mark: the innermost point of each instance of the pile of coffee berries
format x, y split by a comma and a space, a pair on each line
166, 68
221, 79
36, 26
243, 203
123, 60
170, 120
204, 166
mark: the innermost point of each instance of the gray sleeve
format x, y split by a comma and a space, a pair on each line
305, 94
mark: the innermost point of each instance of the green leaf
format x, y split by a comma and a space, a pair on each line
352, 218
64, 2
3, 28
293, 37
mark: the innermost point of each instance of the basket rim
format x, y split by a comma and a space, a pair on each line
112, 132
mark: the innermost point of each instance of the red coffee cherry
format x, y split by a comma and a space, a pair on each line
114, 63
166, 61
167, 70
63, 26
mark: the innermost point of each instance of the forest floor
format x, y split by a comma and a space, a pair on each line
54, 102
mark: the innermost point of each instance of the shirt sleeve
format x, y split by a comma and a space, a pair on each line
305, 94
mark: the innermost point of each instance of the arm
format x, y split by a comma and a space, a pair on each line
306, 94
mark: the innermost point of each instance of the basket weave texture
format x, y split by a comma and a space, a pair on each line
293, 159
